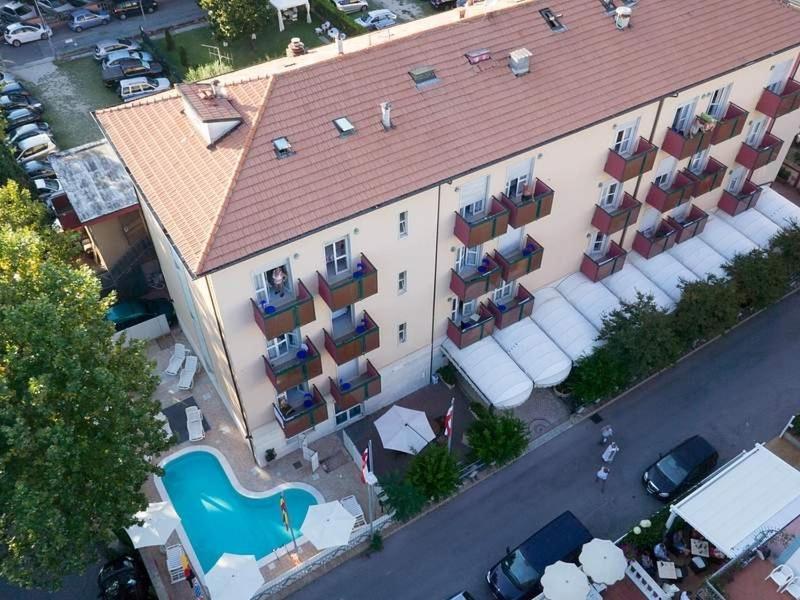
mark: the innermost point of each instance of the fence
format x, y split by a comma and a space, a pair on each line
146, 330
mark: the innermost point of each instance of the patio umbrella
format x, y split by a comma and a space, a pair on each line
565, 581
234, 577
158, 523
404, 430
328, 525
603, 561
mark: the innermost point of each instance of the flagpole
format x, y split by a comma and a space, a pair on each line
369, 491
450, 424
285, 509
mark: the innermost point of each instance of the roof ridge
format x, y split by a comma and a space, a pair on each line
169, 94
234, 176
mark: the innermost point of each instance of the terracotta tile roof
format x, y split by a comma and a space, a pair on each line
473, 116
208, 105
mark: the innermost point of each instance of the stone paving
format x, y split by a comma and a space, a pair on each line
542, 411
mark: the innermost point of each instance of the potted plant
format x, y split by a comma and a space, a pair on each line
706, 122
269, 454
447, 375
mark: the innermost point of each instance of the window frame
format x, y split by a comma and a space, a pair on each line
283, 344
598, 244
722, 102
623, 145
698, 161
609, 199
336, 258
682, 119
402, 224
402, 333
402, 282
503, 292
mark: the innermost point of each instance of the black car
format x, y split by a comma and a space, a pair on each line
122, 9
130, 67
679, 469
19, 100
123, 579
518, 575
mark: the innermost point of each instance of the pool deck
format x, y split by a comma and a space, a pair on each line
337, 477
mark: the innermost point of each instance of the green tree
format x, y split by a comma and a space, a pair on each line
434, 472
496, 437
234, 19
169, 41
597, 376
759, 278
787, 243
707, 308
403, 498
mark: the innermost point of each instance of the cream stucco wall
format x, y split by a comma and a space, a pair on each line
109, 241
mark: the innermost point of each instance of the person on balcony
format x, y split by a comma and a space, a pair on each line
279, 281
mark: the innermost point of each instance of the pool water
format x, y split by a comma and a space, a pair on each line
218, 519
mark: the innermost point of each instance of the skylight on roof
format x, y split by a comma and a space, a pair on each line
553, 20
282, 147
476, 56
344, 126
423, 76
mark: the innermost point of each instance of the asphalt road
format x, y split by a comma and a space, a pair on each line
738, 391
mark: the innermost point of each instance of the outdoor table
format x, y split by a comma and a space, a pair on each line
666, 569
699, 547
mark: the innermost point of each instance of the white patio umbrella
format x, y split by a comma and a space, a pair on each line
603, 561
404, 430
328, 525
158, 523
565, 581
234, 577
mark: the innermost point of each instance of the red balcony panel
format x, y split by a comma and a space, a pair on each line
678, 193
734, 204
364, 338
661, 240
294, 421
514, 310
597, 268
530, 206
640, 161
525, 259
348, 394
730, 125
473, 232
754, 158
293, 371
689, 227
471, 330
277, 320
472, 284
611, 221
361, 283
776, 105
683, 146
710, 179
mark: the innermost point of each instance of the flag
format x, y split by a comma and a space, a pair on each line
284, 513
448, 421
364, 465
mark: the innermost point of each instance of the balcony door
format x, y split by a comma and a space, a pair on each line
736, 182
270, 282
756, 133
282, 345
503, 293
683, 117
610, 195
665, 174
342, 321
718, 102
779, 76
467, 257
337, 258
517, 177
699, 161
598, 244
511, 241
624, 138
348, 371
473, 198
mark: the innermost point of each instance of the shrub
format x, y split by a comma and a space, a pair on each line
496, 438
183, 57
206, 71
706, 309
787, 243
759, 278
324, 10
402, 497
434, 472
169, 41
651, 536
376, 542
448, 374
597, 376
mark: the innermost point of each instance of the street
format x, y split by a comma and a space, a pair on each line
738, 391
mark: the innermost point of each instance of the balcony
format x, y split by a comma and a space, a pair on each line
611, 221
351, 344
661, 240
349, 288
735, 204
730, 125
756, 157
521, 261
348, 394
471, 330
284, 315
776, 105
689, 227
682, 145
678, 193
472, 283
476, 231
513, 310
710, 179
529, 207
294, 368
640, 161
299, 417
600, 267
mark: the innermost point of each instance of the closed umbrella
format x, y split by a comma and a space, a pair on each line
328, 525
234, 577
603, 561
404, 430
158, 523
565, 581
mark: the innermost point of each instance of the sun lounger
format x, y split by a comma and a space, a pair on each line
354, 508
186, 380
176, 360
175, 563
194, 424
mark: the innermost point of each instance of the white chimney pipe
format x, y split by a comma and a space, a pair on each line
386, 115
214, 88
622, 17
340, 44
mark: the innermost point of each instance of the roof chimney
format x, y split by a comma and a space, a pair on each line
339, 44
519, 61
386, 115
622, 17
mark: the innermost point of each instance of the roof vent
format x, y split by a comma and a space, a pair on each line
344, 126
519, 61
478, 56
282, 147
553, 20
386, 115
622, 17
423, 76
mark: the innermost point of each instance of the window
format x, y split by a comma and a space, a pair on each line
610, 193
503, 293
467, 257
552, 20
402, 333
468, 309
272, 281
649, 220
517, 177
473, 198
402, 282
699, 161
282, 147
623, 138
598, 244
423, 76
281, 345
756, 132
402, 224
681, 213
454, 310
337, 258
349, 414
683, 117
459, 311
736, 181
344, 126
779, 76
718, 101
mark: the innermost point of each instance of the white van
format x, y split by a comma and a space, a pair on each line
35, 147
140, 87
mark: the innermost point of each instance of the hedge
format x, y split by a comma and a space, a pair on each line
324, 10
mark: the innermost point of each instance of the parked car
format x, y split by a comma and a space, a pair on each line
349, 6
123, 578
130, 67
123, 9
17, 34
33, 148
140, 87
39, 168
518, 575
84, 18
132, 312
106, 47
25, 131
12, 101
14, 12
377, 19
443, 4
13, 87
20, 116
56, 7
682, 467
48, 188
114, 57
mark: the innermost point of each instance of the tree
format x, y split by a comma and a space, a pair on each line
759, 278
403, 498
496, 437
596, 376
706, 309
234, 19
787, 243
434, 472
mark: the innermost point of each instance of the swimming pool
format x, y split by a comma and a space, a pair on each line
217, 518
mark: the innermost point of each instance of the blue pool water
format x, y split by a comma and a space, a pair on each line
218, 519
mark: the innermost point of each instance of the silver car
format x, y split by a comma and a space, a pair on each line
106, 47
112, 58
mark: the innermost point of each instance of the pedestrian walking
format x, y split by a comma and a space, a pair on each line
610, 453
607, 432
602, 477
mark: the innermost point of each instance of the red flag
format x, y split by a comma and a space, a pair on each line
448, 421
364, 465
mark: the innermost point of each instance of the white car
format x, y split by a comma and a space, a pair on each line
25, 131
106, 47
377, 19
139, 87
57, 7
114, 57
47, 189
33, 148
17, 34
14, 12
349, 6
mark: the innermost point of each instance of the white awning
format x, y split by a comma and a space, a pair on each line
534, 353
592, 299
725, 239
699, 257
754, 494
491, 371
561, 321
777, 209
625, 284
753, 225
665, 270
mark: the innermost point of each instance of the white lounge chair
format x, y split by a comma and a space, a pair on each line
175, 563
782, 575
352, 506
176, 360
194, 424
186, 380
792, 588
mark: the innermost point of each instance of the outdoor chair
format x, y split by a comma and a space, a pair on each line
194, 424
354, 508
782, 575
176, 360
175, 564
793, 589
186, 380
